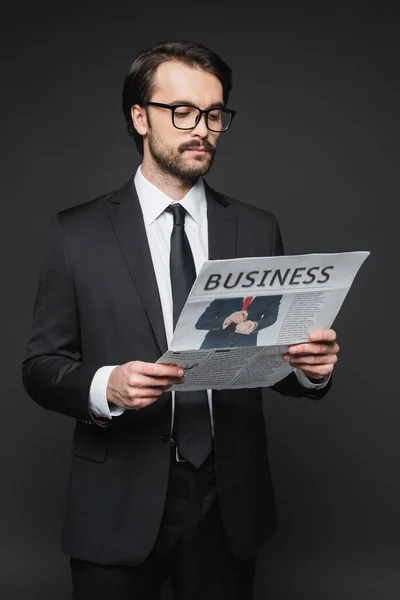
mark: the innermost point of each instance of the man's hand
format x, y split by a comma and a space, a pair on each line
236, 317
316, 358
245, 328
137, 384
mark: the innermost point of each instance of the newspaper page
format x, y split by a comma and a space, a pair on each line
242, 314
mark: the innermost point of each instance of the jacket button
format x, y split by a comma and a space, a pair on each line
164, 437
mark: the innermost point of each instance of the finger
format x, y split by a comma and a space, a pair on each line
304, 361
156, 369
147, 392
314, 348
137, 380
322, 335
321, 370
136, 394
142, 402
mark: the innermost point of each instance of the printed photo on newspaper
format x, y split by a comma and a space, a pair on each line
243, 313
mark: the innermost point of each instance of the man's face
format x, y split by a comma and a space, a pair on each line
182, 154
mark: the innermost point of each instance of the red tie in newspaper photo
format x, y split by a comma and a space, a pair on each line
246, 302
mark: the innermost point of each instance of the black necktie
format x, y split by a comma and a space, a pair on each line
192, 429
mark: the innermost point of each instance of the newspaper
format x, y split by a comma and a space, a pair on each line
242, 314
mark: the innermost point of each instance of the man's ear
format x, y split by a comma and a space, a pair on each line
139, 119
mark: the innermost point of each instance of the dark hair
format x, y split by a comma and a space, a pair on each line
139, 81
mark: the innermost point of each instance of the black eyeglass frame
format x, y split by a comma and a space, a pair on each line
205, 112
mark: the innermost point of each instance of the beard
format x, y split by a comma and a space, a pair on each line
172, 162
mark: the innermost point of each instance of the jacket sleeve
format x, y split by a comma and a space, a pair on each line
290, 386
53, 372
210, 318
270, 314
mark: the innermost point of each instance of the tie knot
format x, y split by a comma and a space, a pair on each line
178, 212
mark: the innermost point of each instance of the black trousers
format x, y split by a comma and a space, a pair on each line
191, 549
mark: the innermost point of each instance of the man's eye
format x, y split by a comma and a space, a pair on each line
182, 114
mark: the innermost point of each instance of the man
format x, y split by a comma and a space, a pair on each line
246, 317
161, 484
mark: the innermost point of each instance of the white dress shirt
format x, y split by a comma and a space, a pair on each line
158, 224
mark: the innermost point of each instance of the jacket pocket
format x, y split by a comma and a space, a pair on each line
90, 442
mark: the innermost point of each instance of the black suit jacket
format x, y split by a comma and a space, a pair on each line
263, 310
98, 304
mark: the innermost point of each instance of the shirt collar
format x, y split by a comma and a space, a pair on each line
153, 201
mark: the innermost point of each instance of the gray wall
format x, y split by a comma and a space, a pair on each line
316, 141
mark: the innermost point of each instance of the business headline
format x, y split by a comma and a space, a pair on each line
270, 278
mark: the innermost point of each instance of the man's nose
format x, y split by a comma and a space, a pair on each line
201, 127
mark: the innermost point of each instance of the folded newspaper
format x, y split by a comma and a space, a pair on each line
242, 314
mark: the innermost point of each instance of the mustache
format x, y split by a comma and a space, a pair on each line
197, 144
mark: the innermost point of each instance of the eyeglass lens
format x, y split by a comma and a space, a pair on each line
186, 117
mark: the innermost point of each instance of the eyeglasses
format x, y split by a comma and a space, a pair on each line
187, 117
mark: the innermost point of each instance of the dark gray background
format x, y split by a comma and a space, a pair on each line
316, 141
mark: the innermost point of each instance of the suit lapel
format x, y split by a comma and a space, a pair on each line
222, 226
127, 221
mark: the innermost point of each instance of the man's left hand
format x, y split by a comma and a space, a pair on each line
316, 358
245, 328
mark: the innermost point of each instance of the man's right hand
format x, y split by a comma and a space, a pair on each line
236, 317
137, 384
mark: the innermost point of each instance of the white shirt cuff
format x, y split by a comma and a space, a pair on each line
305, 382
98, 404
